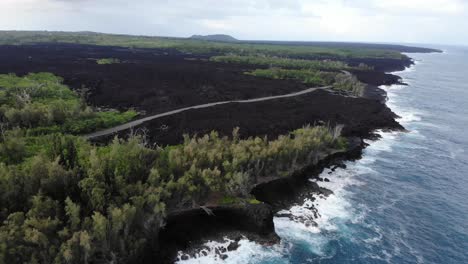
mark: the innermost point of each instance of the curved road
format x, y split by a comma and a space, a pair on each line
137, 122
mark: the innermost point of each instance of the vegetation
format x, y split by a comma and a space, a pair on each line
287, 62
37, 105
338, 81
348, 83
40, 102
310, 72
196, 46
309, 77
108, 61
76, 203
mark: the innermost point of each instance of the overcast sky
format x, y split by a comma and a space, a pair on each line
410, 21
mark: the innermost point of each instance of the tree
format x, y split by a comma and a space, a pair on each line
13, 147
72, 211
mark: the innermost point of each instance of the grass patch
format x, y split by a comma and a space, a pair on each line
314, 78
107, 61
287, 63
230, 200
310, 77
254, 201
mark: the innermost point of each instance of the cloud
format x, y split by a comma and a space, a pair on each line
356, 20
428, 7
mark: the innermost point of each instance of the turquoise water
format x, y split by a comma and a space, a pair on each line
406, 200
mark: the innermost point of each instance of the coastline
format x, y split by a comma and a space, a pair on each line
254, 222
189, 225
282, 193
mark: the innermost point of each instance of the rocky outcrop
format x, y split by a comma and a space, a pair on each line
190, 228
187, 230
283, 192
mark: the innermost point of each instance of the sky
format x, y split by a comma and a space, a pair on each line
402, 21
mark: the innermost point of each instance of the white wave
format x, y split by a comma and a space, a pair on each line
322, 213
367, 160
407, 69
384, 144
406, 115
247, 252
393, 87
376, 239
298, 232
416, 134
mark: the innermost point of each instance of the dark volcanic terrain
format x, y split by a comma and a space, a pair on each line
272, 118
150, 80
157, 80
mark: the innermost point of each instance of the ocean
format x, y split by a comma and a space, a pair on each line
406, 200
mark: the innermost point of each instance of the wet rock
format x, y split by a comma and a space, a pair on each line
326, 192
188, 230
233, 246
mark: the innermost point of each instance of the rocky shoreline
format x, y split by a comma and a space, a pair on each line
189, 230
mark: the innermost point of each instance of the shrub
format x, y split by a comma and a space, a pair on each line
349, 83
309, 77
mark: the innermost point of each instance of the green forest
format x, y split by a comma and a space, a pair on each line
39, 104
66, 200
73, 202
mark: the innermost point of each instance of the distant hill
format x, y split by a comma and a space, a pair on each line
216, 37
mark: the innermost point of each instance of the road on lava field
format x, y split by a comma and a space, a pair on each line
140, 121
